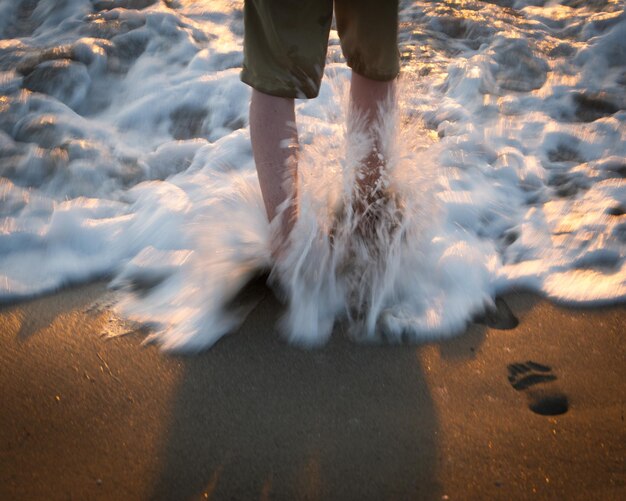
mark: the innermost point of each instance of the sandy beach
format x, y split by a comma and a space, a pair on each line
497, 164
86, 417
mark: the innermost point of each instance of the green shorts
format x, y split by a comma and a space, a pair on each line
285, 42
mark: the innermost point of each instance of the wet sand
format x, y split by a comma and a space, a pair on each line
84, 417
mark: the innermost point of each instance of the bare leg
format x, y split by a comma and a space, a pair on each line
274, 140
366, 98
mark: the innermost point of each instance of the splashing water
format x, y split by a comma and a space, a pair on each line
125, 154
347, 255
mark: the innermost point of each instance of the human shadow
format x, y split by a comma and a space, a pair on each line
256, 418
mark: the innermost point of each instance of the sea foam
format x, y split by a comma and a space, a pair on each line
125, 156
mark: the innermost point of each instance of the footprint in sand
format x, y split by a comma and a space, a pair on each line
536, 381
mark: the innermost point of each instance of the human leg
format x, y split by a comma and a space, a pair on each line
368, 31
369, 99
284, 53
274, 140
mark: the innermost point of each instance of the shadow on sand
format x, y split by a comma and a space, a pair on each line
255, 418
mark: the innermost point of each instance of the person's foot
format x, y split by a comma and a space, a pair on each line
379, 215
364, 235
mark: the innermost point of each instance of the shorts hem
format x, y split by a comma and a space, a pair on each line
273, 87
381, 76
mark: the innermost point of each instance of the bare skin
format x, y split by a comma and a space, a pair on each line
274, 138
366, 97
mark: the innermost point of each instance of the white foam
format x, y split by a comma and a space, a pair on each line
124, 153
